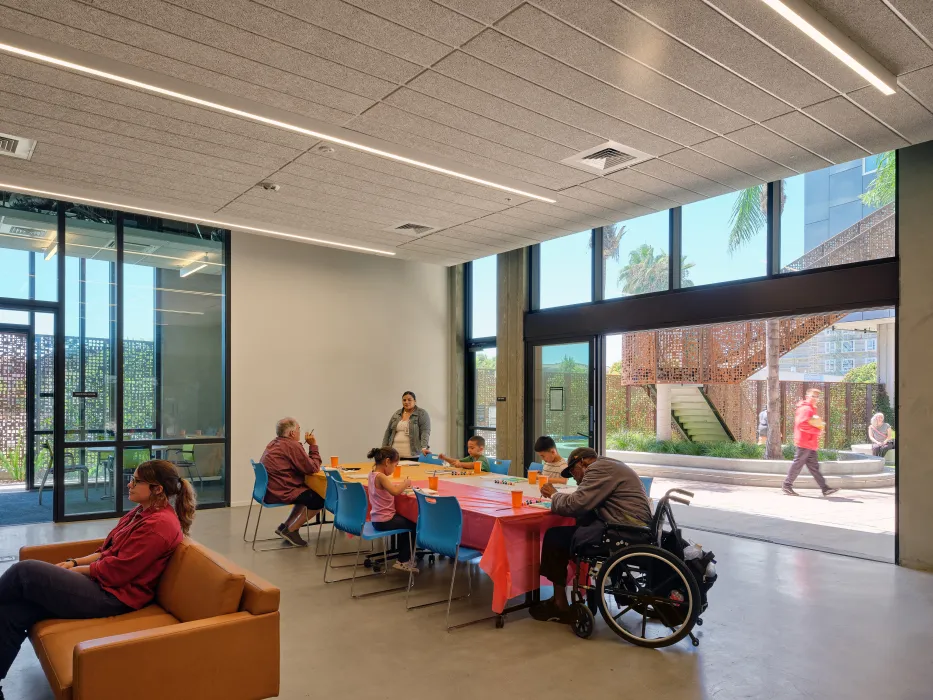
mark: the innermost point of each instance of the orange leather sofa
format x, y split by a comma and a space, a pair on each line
212, 632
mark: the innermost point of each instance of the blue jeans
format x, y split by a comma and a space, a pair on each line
31, 591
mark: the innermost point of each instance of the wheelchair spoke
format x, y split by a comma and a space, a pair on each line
616, 617
644, 623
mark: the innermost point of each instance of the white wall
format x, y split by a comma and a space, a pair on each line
332, 338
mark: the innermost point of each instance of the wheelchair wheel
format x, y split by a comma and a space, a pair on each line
583, 622
648, 596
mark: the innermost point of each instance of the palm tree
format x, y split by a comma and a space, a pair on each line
881, 190
647, 272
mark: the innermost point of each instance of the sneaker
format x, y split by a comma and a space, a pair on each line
548, 611
788, 491
293, 538
280, 531
407, 567
830, 492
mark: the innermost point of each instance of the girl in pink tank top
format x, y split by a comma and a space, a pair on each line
382, 493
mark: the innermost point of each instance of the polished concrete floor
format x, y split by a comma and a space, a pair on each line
784, 624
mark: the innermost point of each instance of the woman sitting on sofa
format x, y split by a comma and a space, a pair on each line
119, 577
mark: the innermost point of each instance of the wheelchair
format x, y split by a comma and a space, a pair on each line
637, 579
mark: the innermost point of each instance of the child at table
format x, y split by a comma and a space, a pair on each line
476, 445
382, 493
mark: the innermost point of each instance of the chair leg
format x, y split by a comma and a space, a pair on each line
42, 485
330, 553
256, 530
248, 514
450, 596
356, 564
84, 475
317, 544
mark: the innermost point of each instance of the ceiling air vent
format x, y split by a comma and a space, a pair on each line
606, 158
134, 248
410, 229
16, 146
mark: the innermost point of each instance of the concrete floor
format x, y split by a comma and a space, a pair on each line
784, 624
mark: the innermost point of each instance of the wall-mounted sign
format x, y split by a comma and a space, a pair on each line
500, 398
84, 394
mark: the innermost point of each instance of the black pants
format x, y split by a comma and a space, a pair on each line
559, 545
31, 591
882, 449
399, 522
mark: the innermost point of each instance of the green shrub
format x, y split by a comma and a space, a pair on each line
643, 442
14, 461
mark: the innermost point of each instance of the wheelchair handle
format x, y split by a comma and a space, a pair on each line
677, 499
688, 494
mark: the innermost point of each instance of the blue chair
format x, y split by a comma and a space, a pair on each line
330, 506
350, 518
536, 467
430, 459
260, 486
439, 529
499, 466
646, 482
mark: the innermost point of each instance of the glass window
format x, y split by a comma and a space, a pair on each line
173, 347
725, 238
483, 298
871, 344
848, 346
28, 243
483, 420
847, 365
829, 365
840, 214
635, 256
566, 270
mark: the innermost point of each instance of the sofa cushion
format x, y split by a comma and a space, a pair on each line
40, 629
55, 641
198, 584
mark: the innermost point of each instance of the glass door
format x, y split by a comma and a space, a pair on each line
562, 395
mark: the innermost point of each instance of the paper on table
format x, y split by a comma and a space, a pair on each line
408, 463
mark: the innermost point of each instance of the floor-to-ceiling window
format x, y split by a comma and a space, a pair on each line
684, 304
480, 373
124, 318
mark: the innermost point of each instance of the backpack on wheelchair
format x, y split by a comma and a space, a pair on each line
648, 584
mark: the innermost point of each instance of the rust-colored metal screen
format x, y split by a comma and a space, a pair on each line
725, 353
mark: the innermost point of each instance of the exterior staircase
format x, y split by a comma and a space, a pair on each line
695, 415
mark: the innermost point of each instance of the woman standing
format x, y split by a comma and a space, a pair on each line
119, 577
409, 429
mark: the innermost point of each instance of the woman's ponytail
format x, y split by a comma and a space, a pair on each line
186, 502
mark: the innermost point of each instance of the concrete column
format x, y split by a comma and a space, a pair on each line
914, 371
886, 357
512, 276
457, 388
664, 411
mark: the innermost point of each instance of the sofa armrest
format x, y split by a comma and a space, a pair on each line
60, 551
230, 656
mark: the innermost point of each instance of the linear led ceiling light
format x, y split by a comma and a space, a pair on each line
45, 58
818, 28
195, 265
187, 217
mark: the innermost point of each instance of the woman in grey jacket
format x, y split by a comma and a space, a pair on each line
409, 429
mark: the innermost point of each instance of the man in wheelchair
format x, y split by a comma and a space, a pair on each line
609, 493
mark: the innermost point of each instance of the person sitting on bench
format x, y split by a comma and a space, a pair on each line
609, 493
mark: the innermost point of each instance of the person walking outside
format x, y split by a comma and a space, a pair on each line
807, 428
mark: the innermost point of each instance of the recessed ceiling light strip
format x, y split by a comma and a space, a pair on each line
45, 58
187, 217
824, 33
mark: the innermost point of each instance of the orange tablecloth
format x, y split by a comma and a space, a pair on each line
510, 538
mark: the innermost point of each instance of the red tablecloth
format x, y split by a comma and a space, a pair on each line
510, 538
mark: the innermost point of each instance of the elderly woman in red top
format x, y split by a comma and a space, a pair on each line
119, 577
287, 465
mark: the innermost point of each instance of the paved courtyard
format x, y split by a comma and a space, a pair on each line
859, 523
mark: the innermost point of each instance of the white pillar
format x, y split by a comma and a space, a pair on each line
664, 411
886, 352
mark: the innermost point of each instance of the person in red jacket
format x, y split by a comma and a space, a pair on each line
119, 577
807, 428
287, 466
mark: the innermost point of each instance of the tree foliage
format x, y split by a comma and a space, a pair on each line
866, 374
881, 190
484, 361
647, 272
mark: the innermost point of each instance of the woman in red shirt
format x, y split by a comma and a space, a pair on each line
119, 577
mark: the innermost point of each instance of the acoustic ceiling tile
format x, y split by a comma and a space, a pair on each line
743, 159
900, 111
777, 149
682, 178
856, 125
485, 11
816, 137
425, 17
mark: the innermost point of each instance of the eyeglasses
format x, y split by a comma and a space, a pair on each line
134, 481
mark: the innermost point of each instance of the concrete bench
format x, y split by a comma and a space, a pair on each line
890, 456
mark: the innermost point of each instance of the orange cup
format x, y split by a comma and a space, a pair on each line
334, 461
517, 497
542, 479
432, 483
478, 467
398, 471
533, 477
